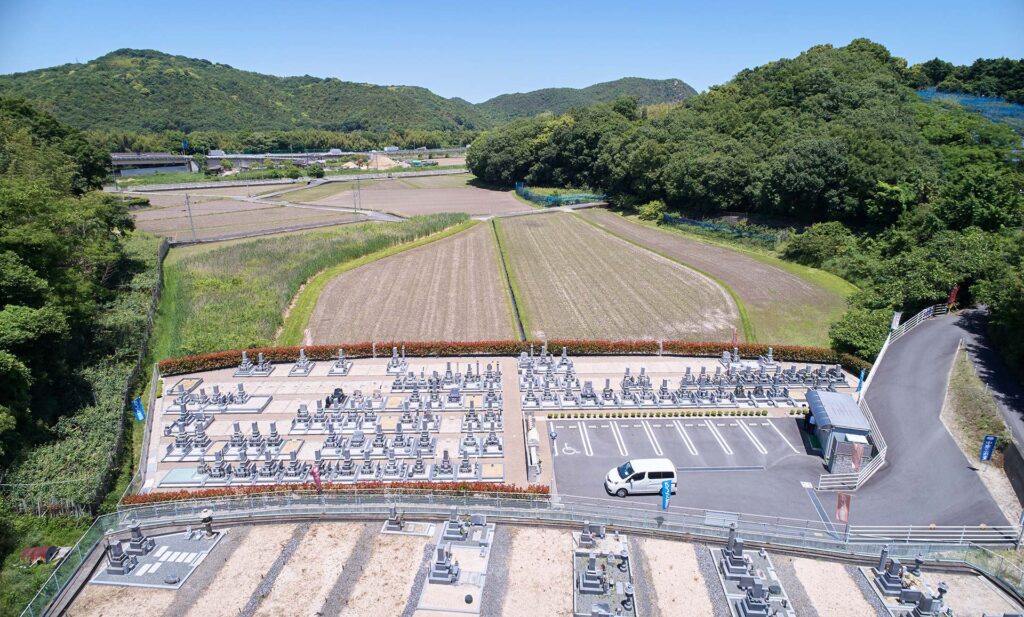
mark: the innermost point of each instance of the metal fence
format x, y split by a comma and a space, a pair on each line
950, 544
556, 200
767, 239
910, 324
144, 188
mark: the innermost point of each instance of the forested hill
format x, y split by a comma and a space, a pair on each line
996, 77
148, 91
560, 100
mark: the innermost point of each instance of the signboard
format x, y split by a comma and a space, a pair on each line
858, 456
843, 507
140, 411
666, 493
987, 448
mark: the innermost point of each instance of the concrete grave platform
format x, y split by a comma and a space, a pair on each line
174, 558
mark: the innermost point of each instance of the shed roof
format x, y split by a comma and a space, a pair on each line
837, 410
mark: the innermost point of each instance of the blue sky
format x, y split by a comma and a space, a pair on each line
477, 50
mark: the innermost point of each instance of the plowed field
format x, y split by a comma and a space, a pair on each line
576, 281
452, 289
427, 195
782, 306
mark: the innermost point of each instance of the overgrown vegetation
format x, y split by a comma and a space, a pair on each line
235, 295
918, 196
1000, 77
973, 412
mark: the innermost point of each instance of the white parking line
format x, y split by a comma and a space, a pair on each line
784, 438
585, 436
685, 437
753, 438
618, 440
652, 438
718, 437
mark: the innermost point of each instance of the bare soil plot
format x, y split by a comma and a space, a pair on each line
217, 218
111, 601
302, 586
576, 281
429, 195
675, 575
328, 189
971, 595
451, 289
539, 571
242, 572
782, 306
831, 589
383, 588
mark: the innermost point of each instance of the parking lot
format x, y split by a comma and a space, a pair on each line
731, 464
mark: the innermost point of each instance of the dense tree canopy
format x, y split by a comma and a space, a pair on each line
1000, 77
912, 197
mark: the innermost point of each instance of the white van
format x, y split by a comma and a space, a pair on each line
641, 475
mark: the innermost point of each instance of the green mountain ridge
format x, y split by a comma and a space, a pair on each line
151, 91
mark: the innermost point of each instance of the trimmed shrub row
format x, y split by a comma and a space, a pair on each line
707, 413
486, 489
787, 353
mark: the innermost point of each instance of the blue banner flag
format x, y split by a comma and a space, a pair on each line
140, 411
860, 384
666, 494
987, 447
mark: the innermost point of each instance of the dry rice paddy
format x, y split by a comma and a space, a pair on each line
412, 196
782, 306
576, 281
452, 289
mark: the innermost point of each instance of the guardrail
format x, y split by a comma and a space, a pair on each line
910, 324
690, 523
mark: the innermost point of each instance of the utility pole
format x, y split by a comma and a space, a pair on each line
188, 208
357, 196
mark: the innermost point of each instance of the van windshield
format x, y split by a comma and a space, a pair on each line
625, 470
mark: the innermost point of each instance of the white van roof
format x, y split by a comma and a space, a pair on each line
652, 464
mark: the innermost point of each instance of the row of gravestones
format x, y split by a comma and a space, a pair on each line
303, 366
471, 380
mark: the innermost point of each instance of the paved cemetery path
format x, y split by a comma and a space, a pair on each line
926, 478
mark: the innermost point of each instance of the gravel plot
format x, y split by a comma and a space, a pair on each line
270, 578
646, 597
971, 595
709, 571
783, 307
242, 572
497, 573
866, 591
579, 282
677, 585
430, 195
351, 569
540, 571
830, 588
303, 586
207, 574
421, 579
449, 290
798, 595
383, 589
110, 601
218, 218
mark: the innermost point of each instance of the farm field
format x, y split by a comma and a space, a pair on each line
326, 190
235, 294
428, 195
221, 217
573, 280
782, 306
452, 289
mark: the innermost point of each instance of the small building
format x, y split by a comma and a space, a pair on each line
842, 428
216, 154
390, 148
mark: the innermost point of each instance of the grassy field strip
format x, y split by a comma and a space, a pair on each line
293, 330
517, 313
748, 328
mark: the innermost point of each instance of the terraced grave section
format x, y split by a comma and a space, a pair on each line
452, 289
573, 280
782, 307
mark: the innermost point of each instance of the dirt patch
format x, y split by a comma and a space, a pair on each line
577, 281
973, 596
782, 307
303, 585
243, 572
676, 578
111, 601
540, 571
430, 195
383, 589
830, 588
451, 289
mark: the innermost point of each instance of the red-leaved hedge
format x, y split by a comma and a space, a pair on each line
787, 353
487, 489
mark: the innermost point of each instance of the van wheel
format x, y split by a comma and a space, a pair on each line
621, 492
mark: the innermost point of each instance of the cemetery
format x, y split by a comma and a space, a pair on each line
464, 564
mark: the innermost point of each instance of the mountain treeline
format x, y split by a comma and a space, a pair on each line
905, 198
1001, 77
134, 100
